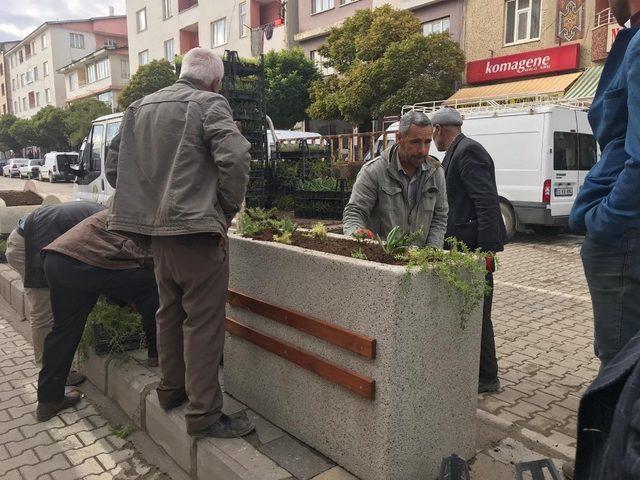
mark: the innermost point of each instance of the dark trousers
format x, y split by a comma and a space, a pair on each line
488, 360
75, 288
613, 276
193, 276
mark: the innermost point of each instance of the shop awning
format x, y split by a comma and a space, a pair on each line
556, 84
585, 87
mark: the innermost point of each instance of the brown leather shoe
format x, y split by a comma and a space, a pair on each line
47, 410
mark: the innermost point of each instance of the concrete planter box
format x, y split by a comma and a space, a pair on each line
425, 366
9, 216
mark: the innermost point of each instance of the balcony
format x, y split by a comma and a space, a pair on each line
604, 33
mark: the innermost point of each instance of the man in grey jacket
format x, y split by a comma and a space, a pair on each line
180, 167
402, 187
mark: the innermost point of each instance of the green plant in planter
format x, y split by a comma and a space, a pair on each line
285, 228
398, 241
359, 254
318, 231
254, 221
284, 237
119, 324
463, 269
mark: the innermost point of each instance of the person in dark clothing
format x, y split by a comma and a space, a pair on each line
34, 232
82, 264
474, 217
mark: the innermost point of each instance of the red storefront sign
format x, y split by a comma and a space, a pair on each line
538, 62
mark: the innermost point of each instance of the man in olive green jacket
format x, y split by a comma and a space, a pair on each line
403, 187
180, 167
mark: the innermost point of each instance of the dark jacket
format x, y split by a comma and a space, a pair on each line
179, 164
607, 205
42, 227
474, 207
609, 420
90, 242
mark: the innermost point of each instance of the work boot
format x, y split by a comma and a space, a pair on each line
567, 470
488, 386
227, 427
74, 379
47, 410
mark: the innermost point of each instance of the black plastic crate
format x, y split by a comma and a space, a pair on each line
103, 341
320, 204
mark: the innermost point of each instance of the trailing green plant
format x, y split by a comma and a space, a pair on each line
318, 231
122, 431
119, 324
398, 241
463, 269
359, 254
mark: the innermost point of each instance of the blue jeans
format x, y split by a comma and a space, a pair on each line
613, 276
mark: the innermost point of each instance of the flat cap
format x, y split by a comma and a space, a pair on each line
447, 116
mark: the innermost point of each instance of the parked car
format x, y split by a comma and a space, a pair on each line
12, 168
55, 165
31, 169
3, 163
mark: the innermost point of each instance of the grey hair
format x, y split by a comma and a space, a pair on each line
413, 118
203, 66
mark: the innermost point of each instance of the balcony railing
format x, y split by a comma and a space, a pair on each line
605, 17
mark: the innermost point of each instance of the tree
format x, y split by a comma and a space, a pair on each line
288, 77
24, 133
50, 125
149, 78
6, 139
383, 62
79, 117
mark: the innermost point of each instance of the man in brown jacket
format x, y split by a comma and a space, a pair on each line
80, 265
180, 168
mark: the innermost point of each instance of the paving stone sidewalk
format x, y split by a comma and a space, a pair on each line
544, 337
77, 444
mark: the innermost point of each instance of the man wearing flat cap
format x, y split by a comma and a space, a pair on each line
474, 216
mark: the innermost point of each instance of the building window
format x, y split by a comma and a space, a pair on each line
22, 80
522, 21
73, 81
167, 9
141, 19
47, 95
347, 2
13, 84
45, 69
219, 32
168, 50
124, 68
33, 47
2, 89
319, 60
24, 104
1, 69
91, 73
318, 6
15, 106
143, 57
37, 99
43, 42
244, 20
21, 56
102, 69
436, 26
76, 40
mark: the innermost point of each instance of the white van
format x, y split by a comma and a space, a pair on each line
55, 166
541, 156
94, 187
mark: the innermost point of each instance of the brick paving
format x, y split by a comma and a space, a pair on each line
544, 336
77, 444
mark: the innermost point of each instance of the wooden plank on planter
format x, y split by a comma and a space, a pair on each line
359, 384
341, 337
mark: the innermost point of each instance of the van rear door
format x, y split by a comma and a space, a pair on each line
563, 185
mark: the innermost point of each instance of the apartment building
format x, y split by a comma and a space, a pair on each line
5, 78
101, 74
35, 61
521, 47
160, 29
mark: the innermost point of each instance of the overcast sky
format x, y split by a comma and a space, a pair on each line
18, 18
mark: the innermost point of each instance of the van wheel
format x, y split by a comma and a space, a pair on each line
509, 219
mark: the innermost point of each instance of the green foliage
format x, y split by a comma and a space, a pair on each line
24, 132
398, 241
6, 139
363, 234
462, 269
50, 125
79, 117
318, 231
118, 323
255, 221
359, 254
3, 246
384, 62
284, 237
320, 184
288, 76
122, 431
285, 203
149, 78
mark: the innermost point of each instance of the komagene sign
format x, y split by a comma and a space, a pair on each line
538, 62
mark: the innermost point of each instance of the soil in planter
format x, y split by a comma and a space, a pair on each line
337, 246
14, 198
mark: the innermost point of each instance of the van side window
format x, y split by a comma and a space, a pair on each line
588, 151
112, 130
95, 162
565, 151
